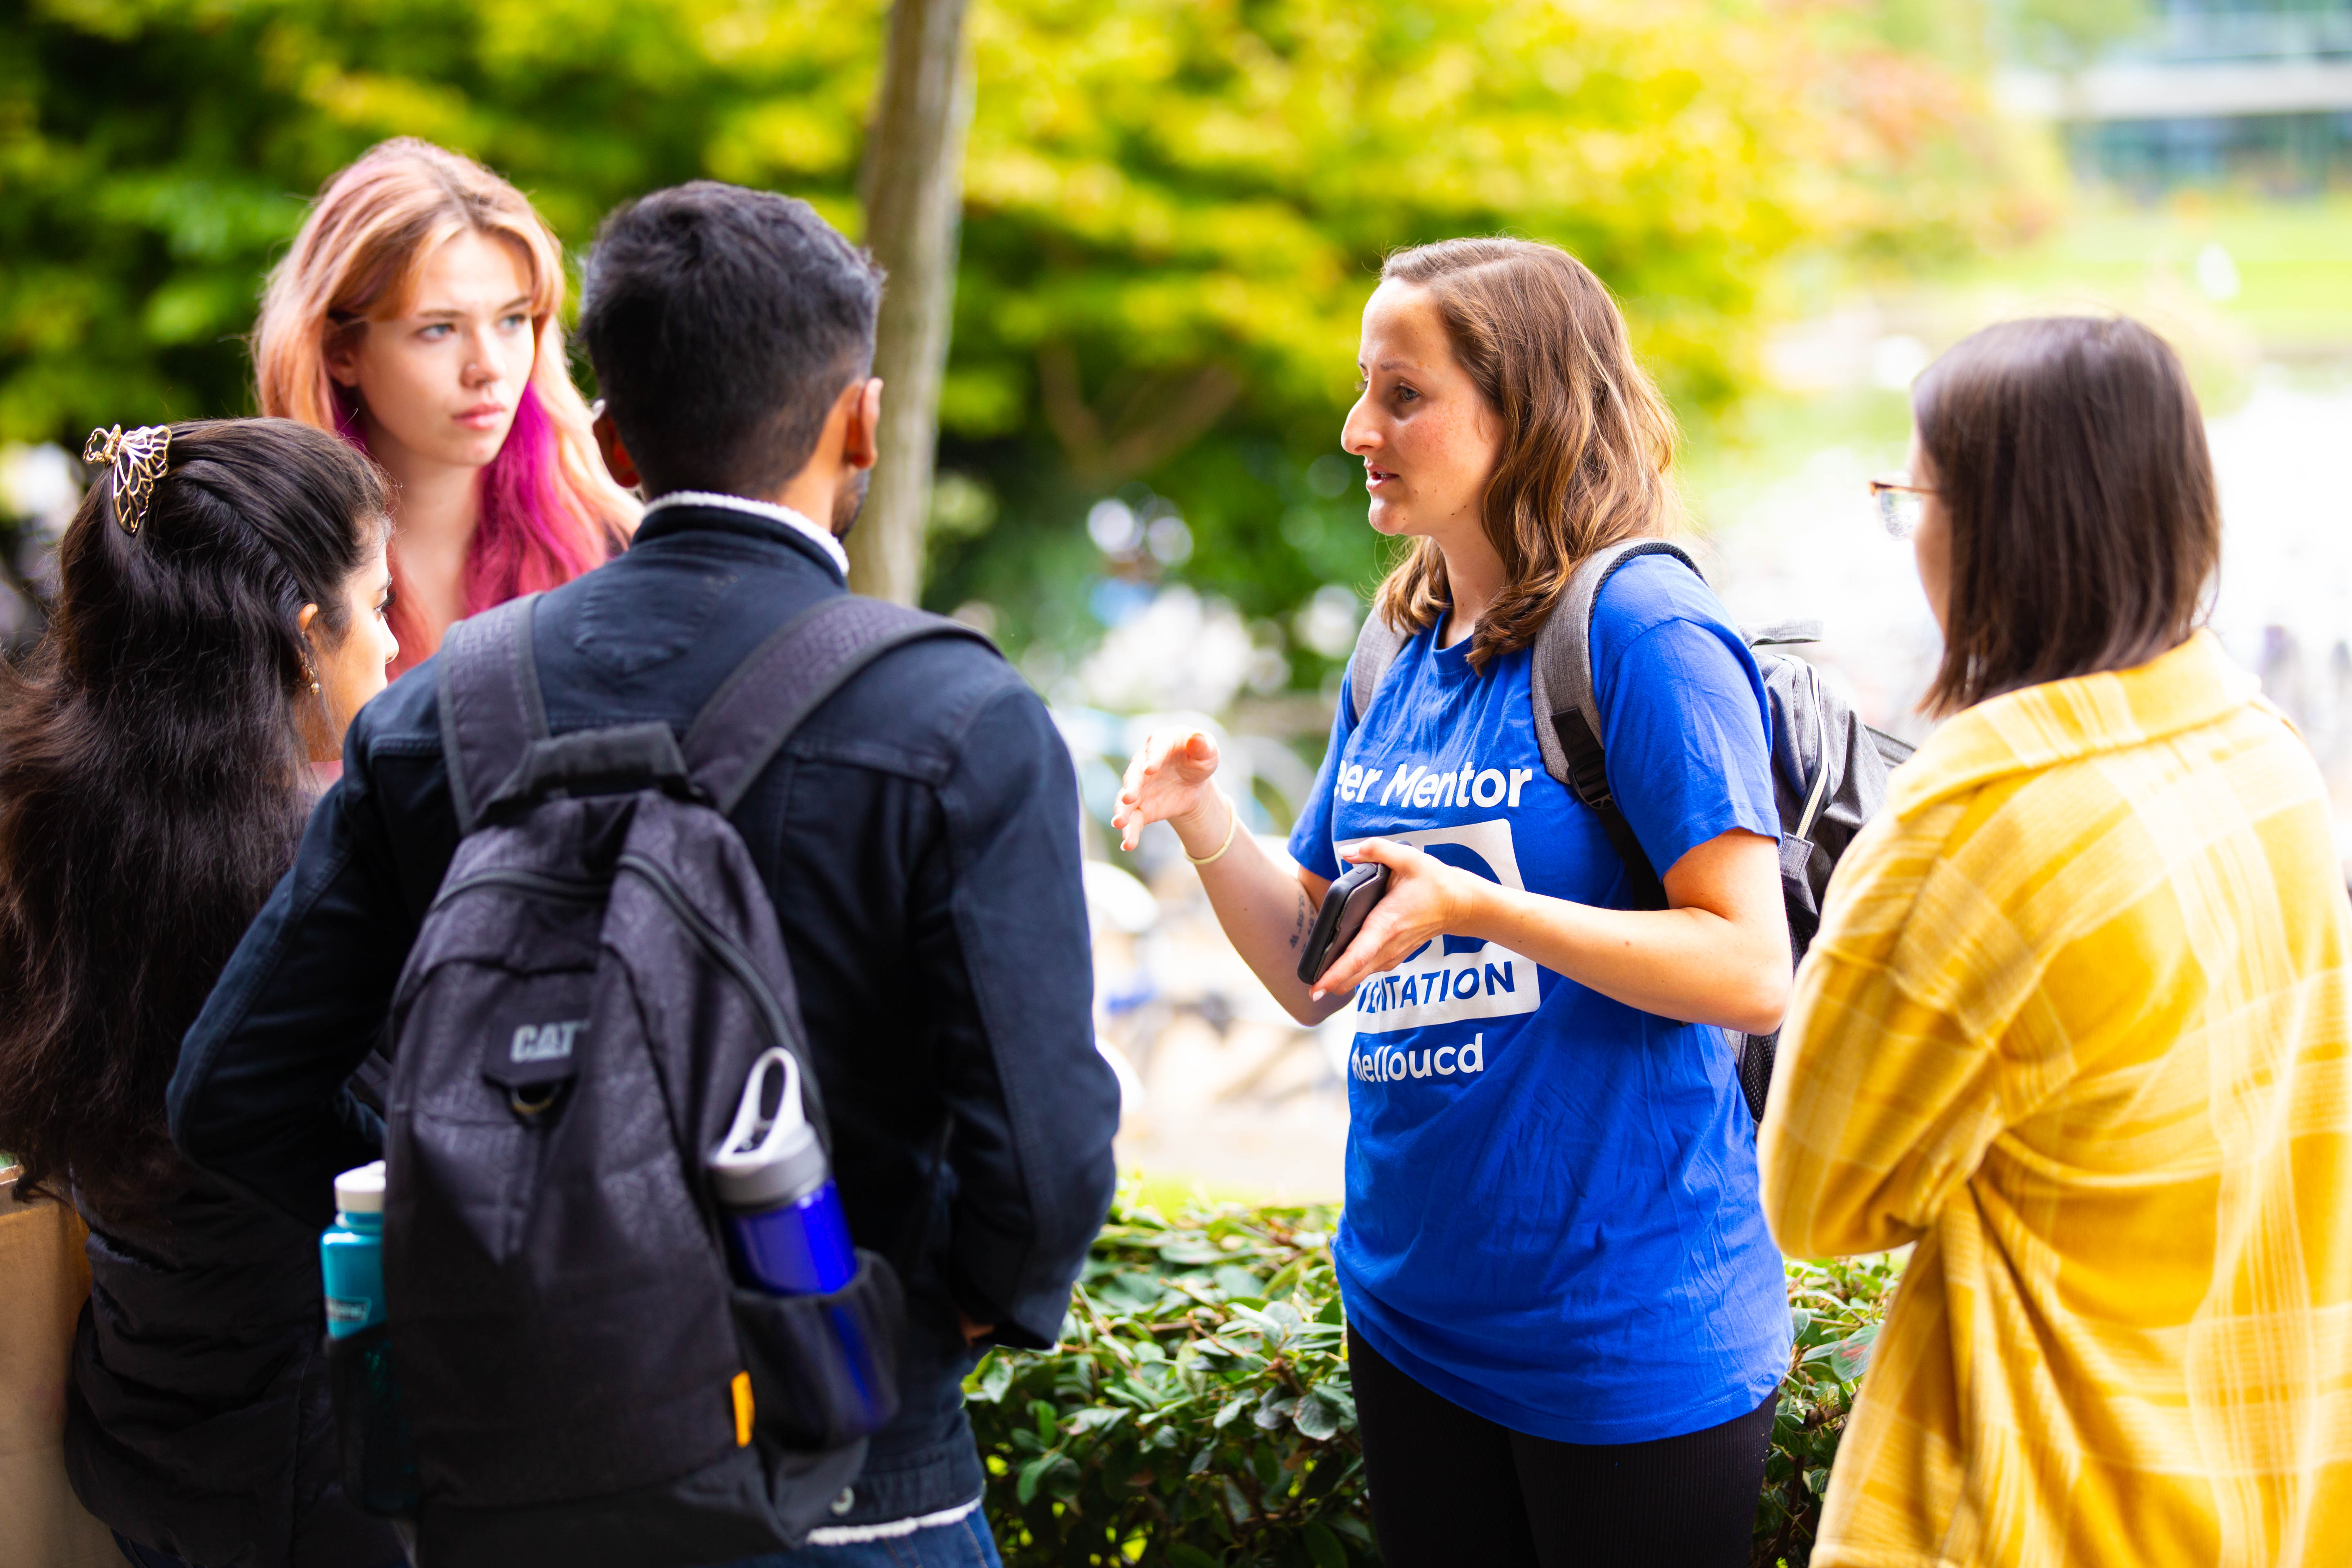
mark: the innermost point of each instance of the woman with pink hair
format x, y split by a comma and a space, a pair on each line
418, 317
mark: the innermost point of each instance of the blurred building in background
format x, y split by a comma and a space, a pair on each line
2205, 90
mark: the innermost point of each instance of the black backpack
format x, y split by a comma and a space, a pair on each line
1829, 768
579, 1377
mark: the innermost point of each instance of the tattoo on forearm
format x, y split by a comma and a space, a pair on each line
1299, 920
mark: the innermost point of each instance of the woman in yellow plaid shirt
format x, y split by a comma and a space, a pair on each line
2076, 1022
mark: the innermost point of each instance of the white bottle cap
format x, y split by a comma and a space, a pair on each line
361, 1189
767, 1161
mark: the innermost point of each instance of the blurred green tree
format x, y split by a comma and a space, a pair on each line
155, 154
1173, 211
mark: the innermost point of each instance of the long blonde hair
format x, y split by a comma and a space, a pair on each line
549, 509
1588, 442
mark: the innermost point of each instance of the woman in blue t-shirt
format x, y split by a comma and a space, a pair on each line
1566, 1318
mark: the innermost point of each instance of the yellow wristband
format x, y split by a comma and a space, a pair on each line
1232, 821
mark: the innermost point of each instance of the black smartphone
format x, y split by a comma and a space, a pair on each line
1349, 900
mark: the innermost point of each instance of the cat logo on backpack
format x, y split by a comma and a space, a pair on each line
544, 1042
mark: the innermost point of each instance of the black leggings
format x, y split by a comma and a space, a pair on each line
1450, 1489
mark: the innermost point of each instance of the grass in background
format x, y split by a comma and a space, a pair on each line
2286, 282
2234, 282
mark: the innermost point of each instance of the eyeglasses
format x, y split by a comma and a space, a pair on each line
1901, 504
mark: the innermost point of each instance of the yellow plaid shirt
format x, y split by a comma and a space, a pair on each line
2076, 1024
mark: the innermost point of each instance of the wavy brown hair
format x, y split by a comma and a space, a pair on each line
1588, 442
152, 781
2085, 527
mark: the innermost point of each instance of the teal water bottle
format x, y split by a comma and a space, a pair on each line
351, 1252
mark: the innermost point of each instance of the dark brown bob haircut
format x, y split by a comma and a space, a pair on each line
1587, 440
2070, 457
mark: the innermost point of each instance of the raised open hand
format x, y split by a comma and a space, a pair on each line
1168, 781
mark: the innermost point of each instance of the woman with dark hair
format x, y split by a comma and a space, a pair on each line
219, 617
2076, 1023
1565, 1319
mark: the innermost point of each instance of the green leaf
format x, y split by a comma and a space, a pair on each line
1268, 1466
1032, 1472
1192, 1252
1183, 1555
1317, 1415
1235, 1280
1324, 1547
1850, 1356
996, 1377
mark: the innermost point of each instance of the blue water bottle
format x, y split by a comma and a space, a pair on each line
784, 1224
351, 1252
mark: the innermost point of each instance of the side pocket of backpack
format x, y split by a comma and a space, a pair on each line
824, 1369
379, 1460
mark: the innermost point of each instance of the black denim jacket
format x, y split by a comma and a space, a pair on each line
919, 834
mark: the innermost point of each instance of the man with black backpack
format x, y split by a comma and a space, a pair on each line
615, 850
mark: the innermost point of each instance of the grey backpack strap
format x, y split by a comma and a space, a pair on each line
748, 718
1568, 713
1561, 670
1376, 646
492, 710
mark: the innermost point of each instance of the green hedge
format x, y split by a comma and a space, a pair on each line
1198, 1412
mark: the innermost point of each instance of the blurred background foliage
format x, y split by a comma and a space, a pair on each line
1174, 209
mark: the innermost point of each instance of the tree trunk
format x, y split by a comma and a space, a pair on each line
913, 189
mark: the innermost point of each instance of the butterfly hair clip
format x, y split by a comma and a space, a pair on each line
136, 461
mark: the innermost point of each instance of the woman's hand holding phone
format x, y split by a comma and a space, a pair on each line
1425, 899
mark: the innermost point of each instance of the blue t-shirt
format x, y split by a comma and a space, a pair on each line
1552, 1216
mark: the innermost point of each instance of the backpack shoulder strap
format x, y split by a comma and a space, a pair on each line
1560, 673
492, 710
1376, 646
1568, 713
811, 657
